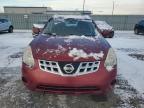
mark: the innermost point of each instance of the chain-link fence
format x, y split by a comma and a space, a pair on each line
25, 21
119, 22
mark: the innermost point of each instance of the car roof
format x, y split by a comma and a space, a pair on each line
142, 20
103, 25
78, 17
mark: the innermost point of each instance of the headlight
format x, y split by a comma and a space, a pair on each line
111, 60
28, 57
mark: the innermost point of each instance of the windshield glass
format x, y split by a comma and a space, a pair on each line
70, 27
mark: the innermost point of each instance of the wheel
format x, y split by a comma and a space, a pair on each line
136, 31
10, 30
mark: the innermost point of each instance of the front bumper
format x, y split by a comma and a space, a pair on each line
99, 82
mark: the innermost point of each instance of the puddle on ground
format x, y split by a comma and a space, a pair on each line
16, 55
130, 50
137, 56
4, 47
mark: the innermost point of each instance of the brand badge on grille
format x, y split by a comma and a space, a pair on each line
68, 68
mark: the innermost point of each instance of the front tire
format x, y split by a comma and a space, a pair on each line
136, 31
10, 30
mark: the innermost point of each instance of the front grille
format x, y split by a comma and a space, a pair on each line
80, 68
70, 89
49, 66
88, 67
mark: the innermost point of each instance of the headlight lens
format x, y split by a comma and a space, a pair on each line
28, 57
111, 60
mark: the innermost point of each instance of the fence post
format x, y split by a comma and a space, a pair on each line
125, 23
26, 17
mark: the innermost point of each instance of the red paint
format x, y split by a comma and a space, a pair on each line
35, 77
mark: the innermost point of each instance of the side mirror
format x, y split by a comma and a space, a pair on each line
35, 31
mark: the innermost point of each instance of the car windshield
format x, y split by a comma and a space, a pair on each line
141, 22
70, 27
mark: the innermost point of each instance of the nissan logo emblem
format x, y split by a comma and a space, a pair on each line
68, 68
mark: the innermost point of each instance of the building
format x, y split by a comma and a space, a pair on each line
42, 10
25, 10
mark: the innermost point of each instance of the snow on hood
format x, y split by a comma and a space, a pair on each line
79, 53
102, 25
73, 47
60, 49
38, 25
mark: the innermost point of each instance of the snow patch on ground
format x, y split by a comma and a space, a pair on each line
130, 68
11, 44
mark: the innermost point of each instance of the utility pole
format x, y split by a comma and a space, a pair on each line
83, 6
113, 8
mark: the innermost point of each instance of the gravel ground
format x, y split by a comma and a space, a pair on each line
13, 94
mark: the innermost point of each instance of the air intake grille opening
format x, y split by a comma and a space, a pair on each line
61, 88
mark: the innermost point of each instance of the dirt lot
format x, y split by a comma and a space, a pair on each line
13, 94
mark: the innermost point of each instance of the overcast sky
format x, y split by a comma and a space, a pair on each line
96, 6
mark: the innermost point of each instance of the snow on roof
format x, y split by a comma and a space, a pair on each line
81, 17
38, 25
103, 25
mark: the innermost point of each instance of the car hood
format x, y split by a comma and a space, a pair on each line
69, 48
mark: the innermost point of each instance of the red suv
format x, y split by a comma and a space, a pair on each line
70, 57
